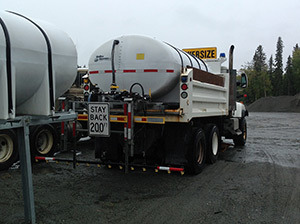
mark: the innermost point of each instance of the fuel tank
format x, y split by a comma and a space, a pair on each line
38, 63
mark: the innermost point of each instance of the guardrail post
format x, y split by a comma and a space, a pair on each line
25, 160
74, 144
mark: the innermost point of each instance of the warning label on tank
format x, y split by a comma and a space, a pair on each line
98, 119
203, 53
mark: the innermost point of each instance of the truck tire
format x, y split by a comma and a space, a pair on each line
43, 141
213, 142
240, 140
197, 154
8, 149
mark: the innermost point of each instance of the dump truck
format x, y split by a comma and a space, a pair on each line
156, 105
38, 63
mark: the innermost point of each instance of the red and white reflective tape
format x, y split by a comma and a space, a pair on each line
50, 159
74, 128
117, 119
62, 131
140, 119
125, 125
129, 121
129, 71
133, 71
150, 70
170, 168
63, 105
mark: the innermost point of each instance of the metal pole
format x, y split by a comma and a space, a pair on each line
74, 144
232, 82
25, 159
128, 136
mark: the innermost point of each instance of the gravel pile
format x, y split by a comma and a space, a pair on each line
276, 104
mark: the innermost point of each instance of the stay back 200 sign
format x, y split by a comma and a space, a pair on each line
98, 119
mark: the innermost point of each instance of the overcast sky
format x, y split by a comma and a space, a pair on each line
183, 23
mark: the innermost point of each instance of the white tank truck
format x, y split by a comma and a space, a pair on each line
38, 63
168, 108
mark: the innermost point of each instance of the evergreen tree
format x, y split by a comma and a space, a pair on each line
289, 88
278, 72
257, 71
259, 60
270, 66
296, 69
271, 72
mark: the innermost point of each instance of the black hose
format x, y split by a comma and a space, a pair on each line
186, 54
178, 54
139, 84
8, 66
50, 66
204, 64
115, 42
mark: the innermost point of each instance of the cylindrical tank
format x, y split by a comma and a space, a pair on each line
154, 64
38, 63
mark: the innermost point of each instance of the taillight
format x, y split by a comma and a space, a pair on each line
184, 95
184, 78
184, 86
86, 87
85, 81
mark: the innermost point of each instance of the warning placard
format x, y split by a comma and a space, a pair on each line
203, 53
98, 119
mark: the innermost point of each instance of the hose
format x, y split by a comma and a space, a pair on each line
143, 94
115, 42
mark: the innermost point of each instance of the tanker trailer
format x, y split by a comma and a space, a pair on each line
166, 108
38, 63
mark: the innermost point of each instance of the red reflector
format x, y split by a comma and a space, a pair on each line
86, 87
184, 86
129, 70
144, 119
176, 169
94, 72
81, 116
150, 70
120, 118
108, 71
170, 71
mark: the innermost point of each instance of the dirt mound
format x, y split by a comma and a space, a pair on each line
276, 104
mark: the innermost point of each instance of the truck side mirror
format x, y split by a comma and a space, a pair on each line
244, 80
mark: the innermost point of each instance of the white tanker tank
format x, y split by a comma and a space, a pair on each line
154, 64
38, 63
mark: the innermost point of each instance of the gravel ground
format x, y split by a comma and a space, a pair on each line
255, 184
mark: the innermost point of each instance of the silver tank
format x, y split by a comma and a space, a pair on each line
154, 64
26, 62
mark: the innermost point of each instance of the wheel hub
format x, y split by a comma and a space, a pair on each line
6, 148
44, 142
215, 144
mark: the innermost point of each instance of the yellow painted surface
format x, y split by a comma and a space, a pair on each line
203, 53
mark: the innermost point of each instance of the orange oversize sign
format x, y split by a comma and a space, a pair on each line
203, 53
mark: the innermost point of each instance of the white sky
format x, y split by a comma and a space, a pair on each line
183, 23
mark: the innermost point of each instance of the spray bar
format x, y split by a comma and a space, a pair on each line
110, 164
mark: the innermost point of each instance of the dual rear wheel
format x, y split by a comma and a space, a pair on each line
205, 148
43, 142
8, 149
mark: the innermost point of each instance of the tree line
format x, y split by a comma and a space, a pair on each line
270, 78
